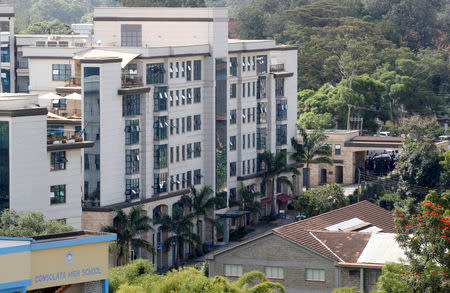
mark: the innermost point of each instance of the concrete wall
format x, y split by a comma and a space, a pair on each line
273, 250
40, 71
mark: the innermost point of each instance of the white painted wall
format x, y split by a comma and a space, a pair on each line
41, 74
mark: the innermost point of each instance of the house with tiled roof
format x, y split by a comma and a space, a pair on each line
346, 247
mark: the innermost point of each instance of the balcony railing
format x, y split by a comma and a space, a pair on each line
55, 136
277, 68
131, 80
73, 81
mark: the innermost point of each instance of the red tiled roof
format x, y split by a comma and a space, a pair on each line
284, 197
368, 212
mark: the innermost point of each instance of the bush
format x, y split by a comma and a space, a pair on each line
128, 273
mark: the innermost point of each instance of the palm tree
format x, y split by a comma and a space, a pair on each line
202, 203
313, 150
274, 165
128, 228
248, 200
180, 226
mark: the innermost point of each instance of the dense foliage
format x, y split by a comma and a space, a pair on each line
139, 277
320, 200
28, 224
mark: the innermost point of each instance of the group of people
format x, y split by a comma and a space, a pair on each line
380, 164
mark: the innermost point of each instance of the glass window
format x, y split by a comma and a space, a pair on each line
232, 169
155, 73
233, 66
183, 97
243, 141
197, 69
233, 270
160, 156
182, 69
189, 123
253, 88
131, 35
60, 71
131, 188
188, 178
281, 110
261, 64
57, 194
197, 95
160, 183
261, 138
243, 167
131, 132
160, 98
189, 150
197, 149
281, 134
233, 116
97, 161
183, 153
160, 128
274, 272
58, 161
131, 161
197, 177
131, 105
171, 98
243, 64
232, 143
189, 96
86, 161
188, 70
183, 125
197, 122
315, 275
171, 70
243, 90
337, 149
233, 91
279, 87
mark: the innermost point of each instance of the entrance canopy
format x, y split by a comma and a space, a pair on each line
233, 214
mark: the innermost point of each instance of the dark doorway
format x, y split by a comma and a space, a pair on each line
339, 174
323, 176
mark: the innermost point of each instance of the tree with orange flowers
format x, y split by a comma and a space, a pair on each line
425, 237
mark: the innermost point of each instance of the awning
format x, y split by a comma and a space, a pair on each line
49, 96
266, 200
98, 53
233, 214
73, 96
284, 197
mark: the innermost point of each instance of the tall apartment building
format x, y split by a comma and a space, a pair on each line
171, 102
39, 170
7, 49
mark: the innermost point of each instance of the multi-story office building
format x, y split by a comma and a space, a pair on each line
40, 161
171, 102
7, 49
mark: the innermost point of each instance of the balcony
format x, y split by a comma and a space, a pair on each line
131, 80
277, 68
64, 139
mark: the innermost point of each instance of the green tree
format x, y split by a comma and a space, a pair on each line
419, 127
321, 199
129, 273
180, 226
128, 228
392, 279
313, 149
29, 224
345, 290
273, 166
248, 201
424, 237
202, 202
48, 27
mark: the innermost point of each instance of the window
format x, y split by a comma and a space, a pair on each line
197, 95
197, 149
131, 188
182, 69
86, 190
233, 66
171, 70
248, 63
274, 272
131, 161
58, 161
60, 71
57, 194
261, 87
197, 122
233, 117
160, 183
86, 161
97, 161
253, 140
197, 177
197, 69
189, 150
131, 132
243, 141
177, 71
315, 275
155, 73
279, 87
160, 128
253, 89
243, 90
160, 156
233, 270
253, 63
248, 90
243, 64
177, 125
189, 123
281, 134
188, 178
177, 153
373, 277
160, 98
188, 70
261, 64
177, 97
337, 149
232, 143
183, 153
171, 98
232, 91
248, 141
248, 115
131, 35
189, 96
243, 167
281, 110
253, 114
253, 166
131, 105
183, 97
171, 154
232, 169
182, 125
261, 138
243, 116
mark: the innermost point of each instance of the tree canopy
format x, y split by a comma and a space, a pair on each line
28, 224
